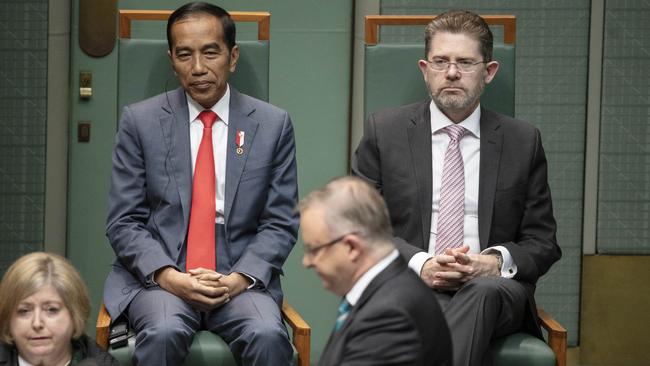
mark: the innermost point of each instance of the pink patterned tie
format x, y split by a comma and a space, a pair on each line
451, 215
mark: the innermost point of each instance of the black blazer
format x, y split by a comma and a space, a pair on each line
515, 208
397, 321
84, 350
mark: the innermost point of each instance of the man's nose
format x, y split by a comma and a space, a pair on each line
306, 261
452, 72
198, 65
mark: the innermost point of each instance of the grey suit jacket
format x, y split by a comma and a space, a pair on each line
514, 210
397, 321
151, 188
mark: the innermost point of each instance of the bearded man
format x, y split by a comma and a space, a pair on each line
466, 189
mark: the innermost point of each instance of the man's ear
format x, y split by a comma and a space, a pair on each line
234, 57
356, 246
491, 70
171, 61
422, 64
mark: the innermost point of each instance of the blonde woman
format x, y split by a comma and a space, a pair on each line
44, 306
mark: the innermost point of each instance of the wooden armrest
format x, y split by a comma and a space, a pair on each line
102, 327
557, 338
301, 333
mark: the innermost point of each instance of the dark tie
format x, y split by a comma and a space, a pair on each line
200, 238
344, 310
451, 214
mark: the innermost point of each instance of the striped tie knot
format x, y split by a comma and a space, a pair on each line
455, 132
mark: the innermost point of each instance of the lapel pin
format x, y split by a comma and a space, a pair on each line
239, 142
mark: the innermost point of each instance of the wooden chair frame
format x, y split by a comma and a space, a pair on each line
300, 329
262, 18
509, 23
557, 335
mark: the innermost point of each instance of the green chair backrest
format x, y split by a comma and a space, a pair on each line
144, 70
392, 78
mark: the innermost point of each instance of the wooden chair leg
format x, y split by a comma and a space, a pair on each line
102, 327
301, 333
557, 337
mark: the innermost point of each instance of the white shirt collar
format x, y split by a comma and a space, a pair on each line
440, 121
23, 362
221, 108
357, 290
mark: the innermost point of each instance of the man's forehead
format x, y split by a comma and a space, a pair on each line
465, 43
312, 221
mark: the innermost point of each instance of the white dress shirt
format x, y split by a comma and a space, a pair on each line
470, 149
22, 362
219, 144
357, 289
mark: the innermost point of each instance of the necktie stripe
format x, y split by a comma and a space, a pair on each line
450, 226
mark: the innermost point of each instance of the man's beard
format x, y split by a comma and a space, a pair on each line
454, 103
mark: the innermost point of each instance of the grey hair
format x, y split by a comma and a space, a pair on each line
352, 205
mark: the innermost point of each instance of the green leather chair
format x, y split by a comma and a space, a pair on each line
392, 78
144, 70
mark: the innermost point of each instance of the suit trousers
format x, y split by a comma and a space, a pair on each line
250, 323
483, 309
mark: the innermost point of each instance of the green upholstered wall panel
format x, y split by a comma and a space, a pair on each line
392, 78
144, 70
23, 107
624, 181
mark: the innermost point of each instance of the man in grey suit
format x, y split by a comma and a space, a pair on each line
201, 206
466, 189
387, 315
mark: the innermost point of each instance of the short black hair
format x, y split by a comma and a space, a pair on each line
195, 8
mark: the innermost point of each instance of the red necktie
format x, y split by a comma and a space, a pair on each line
200, 238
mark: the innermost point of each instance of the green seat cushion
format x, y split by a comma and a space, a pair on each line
145, 70
520, 349
208, 349
392, 78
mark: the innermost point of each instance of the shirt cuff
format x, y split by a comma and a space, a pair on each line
253, 279
509, 268
150, 280
417, 261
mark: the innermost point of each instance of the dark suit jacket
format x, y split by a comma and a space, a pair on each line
514, 209
84, 350
151, 188
397, 321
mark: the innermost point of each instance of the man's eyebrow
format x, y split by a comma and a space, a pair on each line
211, 45
181, 48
